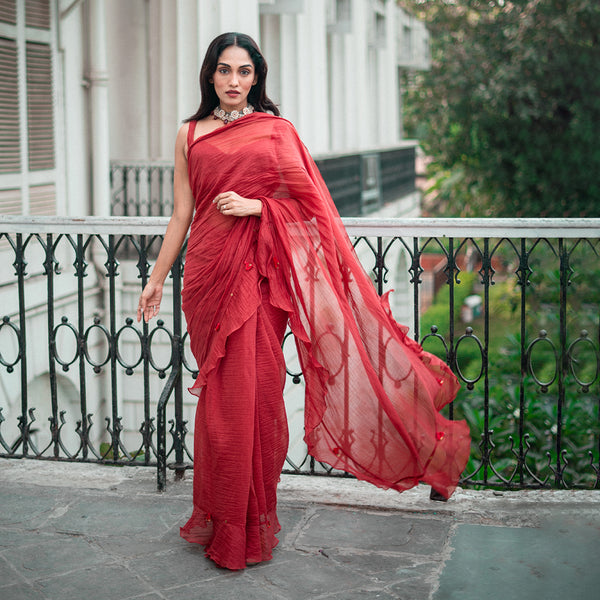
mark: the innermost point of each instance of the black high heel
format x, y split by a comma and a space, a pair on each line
435, 495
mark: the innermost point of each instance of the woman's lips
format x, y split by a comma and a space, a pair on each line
233, 94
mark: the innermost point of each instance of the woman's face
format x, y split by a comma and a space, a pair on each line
234, 77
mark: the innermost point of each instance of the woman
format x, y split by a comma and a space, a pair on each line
266, 249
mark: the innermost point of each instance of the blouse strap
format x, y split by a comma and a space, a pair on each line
191, 131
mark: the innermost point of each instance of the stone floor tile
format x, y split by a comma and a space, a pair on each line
54, 557
117, 515
11, 538
137, 545
556, 561
290, 519
361, 594
236, 586
306, 577
39, 506
419, 588
103, 582
8, 575
380, 531
20, 591
174, 567
387, 569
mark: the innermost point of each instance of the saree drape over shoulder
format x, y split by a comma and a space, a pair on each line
373, 396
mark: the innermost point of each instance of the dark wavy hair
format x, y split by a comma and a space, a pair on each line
257, 96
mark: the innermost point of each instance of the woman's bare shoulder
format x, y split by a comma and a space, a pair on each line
182, 133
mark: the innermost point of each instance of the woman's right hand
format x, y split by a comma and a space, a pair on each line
234, 205
149, 302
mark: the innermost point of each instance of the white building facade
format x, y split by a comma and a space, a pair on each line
113, 79
86, 83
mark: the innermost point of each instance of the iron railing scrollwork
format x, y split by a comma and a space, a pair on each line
73, 357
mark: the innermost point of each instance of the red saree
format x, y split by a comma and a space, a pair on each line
373, 395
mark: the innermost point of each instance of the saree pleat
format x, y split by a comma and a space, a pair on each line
240, 445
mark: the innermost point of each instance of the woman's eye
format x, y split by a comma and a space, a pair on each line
223, 71
245, 72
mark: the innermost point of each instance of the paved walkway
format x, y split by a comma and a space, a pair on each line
89, 532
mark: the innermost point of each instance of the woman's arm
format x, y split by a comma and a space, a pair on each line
183, 211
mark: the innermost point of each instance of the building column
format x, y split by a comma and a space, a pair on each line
270, 35
99, 117
358, 118
186, 59
311, 60
216, 17
289, 68
389, 122
241, 16
337, 102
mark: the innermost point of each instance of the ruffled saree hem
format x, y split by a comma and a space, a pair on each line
233, 546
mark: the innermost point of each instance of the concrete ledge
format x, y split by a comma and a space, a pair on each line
293, 489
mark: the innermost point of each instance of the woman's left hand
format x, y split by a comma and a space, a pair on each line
234, 205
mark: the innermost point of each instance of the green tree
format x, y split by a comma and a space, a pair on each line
510, 110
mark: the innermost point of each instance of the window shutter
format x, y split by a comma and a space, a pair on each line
42, 200
37, 14
8, 11
40, 113
36, 106
10, 150
10, 202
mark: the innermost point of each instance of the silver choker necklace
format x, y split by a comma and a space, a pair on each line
228, 117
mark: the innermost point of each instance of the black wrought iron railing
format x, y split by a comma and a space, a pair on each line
512, 305
141, 188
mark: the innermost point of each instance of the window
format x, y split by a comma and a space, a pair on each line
377, 30
339, 16
380, 30
8, 11
40, 111
407, 43
27, 129
10, 155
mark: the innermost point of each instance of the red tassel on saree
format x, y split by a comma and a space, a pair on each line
373, 395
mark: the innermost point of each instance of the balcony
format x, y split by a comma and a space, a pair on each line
359, 182
70, 531
81, 381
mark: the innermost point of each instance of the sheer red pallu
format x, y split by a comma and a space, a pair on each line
373, 395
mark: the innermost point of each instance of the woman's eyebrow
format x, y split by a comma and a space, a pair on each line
241, 67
